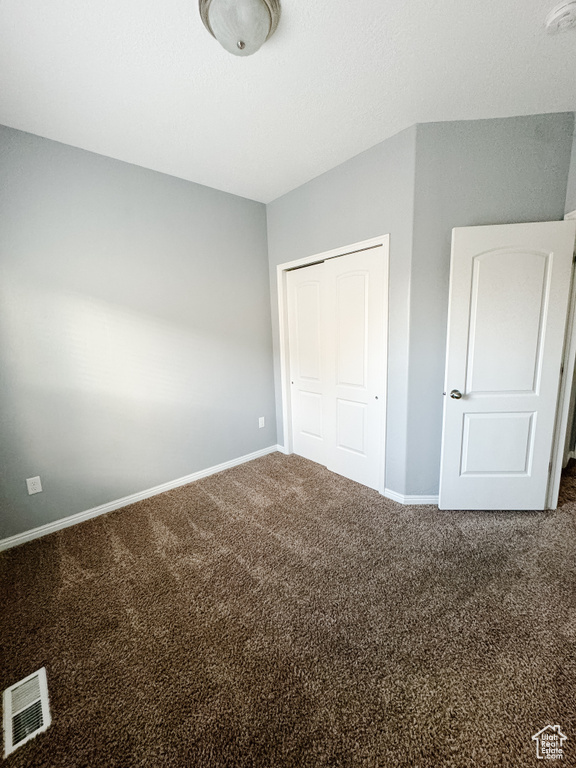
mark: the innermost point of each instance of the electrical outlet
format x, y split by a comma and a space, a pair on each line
261, 422
34, 485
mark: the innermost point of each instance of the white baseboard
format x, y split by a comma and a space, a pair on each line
401, 499
79, 517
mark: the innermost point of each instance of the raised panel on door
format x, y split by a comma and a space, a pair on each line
352, 288
310, 414
305, 288
351, 426
508, 309
307, 308
497, 444
509, 291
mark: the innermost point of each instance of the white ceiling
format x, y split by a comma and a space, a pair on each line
143, 81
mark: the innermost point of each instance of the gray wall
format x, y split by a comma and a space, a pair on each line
134, 329
371, 194
571, 191
468, 173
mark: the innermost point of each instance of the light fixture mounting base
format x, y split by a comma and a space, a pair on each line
562, 17
272, 5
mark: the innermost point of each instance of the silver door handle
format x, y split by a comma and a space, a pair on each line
455, 394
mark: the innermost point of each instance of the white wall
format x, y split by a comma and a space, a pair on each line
135, 343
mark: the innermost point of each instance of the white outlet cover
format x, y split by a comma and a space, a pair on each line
261, 422
34, 485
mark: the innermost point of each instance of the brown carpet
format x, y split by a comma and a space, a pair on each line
279, 615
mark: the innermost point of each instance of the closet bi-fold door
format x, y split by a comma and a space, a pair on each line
308, 365
336, 313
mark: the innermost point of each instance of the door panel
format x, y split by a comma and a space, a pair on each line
308, 332
509, 292
337, 339
356, 309
310, 408
497, 443
351, 329
351, 427
507, 324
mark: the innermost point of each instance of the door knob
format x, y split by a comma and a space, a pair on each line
455, 394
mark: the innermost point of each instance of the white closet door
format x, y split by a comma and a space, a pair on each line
306, 312
509, 291
355, 319
337, 338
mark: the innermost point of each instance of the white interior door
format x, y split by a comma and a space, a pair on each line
509, 293
337, 342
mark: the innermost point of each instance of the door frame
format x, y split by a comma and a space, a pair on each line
382, 241
565, 406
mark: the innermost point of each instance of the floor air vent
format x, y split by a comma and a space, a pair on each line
26, 711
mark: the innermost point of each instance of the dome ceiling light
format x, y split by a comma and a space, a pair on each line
562, 17
240, 26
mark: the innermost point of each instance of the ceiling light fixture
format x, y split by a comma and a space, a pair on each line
562, 17
240, 26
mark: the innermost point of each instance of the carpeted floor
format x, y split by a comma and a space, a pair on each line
280, 615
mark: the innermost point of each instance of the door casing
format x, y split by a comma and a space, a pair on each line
383, 241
